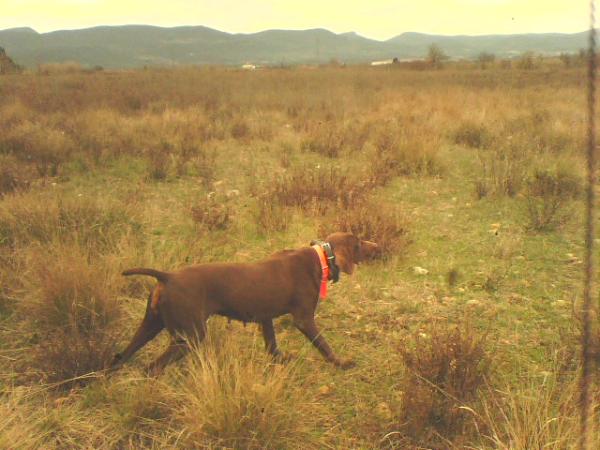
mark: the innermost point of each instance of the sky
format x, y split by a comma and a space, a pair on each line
376, 19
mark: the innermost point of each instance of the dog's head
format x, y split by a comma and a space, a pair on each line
350, 250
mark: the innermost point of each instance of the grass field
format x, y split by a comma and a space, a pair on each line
465, 331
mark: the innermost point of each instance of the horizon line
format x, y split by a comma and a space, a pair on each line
286, 29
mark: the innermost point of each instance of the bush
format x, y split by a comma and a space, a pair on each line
399, 152
316, 189
445, 370
472, 135
14, 175
373, 222
540, 411
159, 161
326, 139
71, 305
240, 129
547, 196
503, 170
225, 400
212, 212
270, 217
92, 223
47, 148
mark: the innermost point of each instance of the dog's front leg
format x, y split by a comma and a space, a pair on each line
268, 333
308, 327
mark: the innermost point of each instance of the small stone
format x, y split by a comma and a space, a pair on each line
420, 270
324, 390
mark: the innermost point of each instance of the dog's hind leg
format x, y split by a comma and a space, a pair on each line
177, 349
151, 325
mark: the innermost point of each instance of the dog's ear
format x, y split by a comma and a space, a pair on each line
344, 261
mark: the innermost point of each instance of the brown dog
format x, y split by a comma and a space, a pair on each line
288, 282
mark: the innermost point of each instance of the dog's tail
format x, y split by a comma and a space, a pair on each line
163, 277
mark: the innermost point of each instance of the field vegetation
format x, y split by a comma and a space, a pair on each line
465, 330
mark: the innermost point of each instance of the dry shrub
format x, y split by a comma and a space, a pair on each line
403, 151
503, 170
71, 305
316, 189
223, 399
539, 411
505, 164
213, 212
472, 135
371, 221
31, 419
271, 217
538, 132
203, 166
44, 218
47, 148
445, 370
357, 134
527, 61
138, 407
548, 194
14, 174
159, 161
240, 129
326, 138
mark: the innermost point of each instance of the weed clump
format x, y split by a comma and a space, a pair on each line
547, 195
370, 221
223, 400
445, 370
14, 175
212, 212
503, 170
71, 305
326, 139
270, 217
400, 152
93, 223
472, 135
315, 189
45, 147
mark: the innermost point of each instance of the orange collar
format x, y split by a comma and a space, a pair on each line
324, 268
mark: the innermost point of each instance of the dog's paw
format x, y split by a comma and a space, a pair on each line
116, 361
282, 358
346, 364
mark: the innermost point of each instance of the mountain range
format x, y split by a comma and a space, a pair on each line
143, 45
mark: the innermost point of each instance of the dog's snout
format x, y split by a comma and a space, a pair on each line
370, 249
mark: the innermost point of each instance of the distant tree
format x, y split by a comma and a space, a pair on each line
526, 61
567, 59
7, 65
436, 56
485, 58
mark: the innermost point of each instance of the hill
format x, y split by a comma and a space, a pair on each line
140, 45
